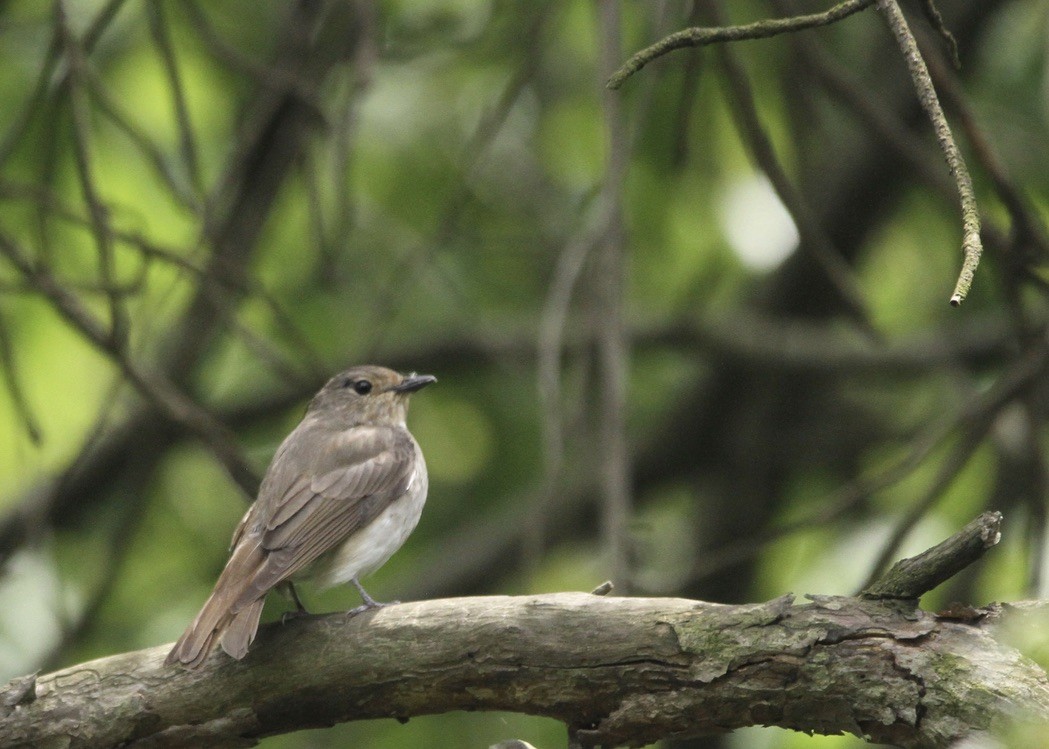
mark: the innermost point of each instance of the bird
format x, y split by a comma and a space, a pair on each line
343, 492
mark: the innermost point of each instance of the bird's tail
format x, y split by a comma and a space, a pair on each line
221, 619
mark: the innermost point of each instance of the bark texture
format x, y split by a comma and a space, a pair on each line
617, 671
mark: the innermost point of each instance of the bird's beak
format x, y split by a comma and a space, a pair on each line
413, 382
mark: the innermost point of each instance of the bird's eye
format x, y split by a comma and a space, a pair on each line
362, 387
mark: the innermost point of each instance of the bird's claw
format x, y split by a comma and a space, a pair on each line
369, 605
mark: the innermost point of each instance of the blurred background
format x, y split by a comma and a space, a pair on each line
650, 370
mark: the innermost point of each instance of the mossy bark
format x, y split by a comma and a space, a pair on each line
617, 671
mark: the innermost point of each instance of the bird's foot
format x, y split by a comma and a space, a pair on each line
288, 588
369, 605
369, 602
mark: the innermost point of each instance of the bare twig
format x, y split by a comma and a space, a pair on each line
697, 37
477, 145
687, 101
277, 76
549, 350
107, 105
353, 86
972, 247
310, 368
37, 98
910, 578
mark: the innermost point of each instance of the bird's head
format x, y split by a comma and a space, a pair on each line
368, 395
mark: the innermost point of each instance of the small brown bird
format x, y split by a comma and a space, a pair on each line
343, 492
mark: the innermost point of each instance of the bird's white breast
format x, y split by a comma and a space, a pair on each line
369, 548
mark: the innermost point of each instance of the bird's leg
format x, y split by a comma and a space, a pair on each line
288, 588
369, 602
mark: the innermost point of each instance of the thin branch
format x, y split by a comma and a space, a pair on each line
98, 212
243, 284
108, 106
480, 140
276, 77
697, 37
45, 79
687, 101
158, 28
936, 21
353, 86
972, 247
37, 98
612, 343
550, 348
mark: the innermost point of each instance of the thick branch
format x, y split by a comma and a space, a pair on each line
616, 670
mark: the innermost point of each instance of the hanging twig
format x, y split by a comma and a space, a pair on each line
972, 247
936, 20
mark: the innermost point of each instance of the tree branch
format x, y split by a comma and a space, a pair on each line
615, 670
698, 37
911, 578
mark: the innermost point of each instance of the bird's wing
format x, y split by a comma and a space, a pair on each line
359, 475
